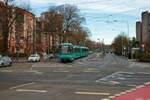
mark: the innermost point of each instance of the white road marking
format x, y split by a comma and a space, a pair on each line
92, 93
105, 99
6, 71
33, 71
21, 85
88, 71
112, 75
147, 83
28, 90
61, 71
116, 95
122, 93
133, 85
141, 86
111, 97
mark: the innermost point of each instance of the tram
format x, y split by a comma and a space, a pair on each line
70, 52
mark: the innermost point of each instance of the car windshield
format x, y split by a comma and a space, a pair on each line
33, 55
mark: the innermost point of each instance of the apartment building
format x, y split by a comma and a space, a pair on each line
51, 30
143, 29
139, 31
21, 37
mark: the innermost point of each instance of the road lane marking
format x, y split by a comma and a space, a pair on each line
108, 82
19, 86
34, 71
92, 93
147, 83
60, 71
105, 99
114, 82
132, 85
86, 71
113, 75
6, 71
28, 90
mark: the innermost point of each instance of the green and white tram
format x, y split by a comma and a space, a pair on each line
70, 52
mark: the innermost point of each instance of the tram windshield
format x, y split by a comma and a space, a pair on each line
64, 49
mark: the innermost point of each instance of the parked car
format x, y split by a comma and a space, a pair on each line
47, 57
5, 61
34, 58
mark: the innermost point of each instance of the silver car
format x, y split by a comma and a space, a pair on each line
5, 61
47, 57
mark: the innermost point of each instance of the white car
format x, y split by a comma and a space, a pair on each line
34, 58
5, 61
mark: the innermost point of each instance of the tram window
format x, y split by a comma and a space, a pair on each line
76, 50
64, 49
70, 50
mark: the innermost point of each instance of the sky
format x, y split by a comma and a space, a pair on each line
105, 18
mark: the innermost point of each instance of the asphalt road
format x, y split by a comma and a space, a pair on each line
90, 78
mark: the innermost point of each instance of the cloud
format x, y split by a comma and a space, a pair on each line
113, 6
97, 11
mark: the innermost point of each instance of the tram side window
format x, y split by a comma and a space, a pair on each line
76, 50
70, 50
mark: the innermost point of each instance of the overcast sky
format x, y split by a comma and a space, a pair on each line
99, 13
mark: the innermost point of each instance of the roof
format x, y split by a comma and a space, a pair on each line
67, 44
18, 9
80, 47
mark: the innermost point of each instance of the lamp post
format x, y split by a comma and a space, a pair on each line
128, 33
99, 44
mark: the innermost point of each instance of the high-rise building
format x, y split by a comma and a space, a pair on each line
139, 31
143, 29
146, 28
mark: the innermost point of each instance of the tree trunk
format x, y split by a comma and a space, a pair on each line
49, 43
5, 43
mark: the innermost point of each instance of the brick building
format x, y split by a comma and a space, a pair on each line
21, 36
49, 31
30, 34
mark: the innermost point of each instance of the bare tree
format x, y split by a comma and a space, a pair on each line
7, 19
10, 17
52, 26
71, 17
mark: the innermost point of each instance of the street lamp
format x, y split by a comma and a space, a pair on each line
127, 24
99, 43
